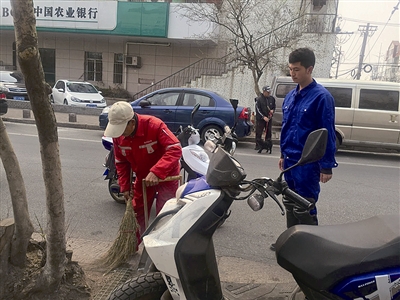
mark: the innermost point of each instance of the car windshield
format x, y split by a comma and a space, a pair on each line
11, 77
77, 87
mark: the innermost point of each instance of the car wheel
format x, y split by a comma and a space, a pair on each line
211, 132
65, 102
51, 99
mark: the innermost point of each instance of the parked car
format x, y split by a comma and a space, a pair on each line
3, 106
77, 93
12, 86
174, 107
367, 113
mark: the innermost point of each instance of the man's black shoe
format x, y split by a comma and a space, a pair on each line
272, 247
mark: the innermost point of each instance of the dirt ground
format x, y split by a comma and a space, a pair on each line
80, 282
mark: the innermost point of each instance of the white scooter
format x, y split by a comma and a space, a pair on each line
195, 160
178, 259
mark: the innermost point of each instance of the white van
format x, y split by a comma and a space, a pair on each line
366, 114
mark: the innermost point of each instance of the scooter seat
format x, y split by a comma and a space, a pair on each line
321, 256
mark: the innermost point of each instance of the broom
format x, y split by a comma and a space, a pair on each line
125, 245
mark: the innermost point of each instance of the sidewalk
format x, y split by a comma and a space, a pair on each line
63, 119
241, 279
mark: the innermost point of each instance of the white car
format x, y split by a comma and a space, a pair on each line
77, 93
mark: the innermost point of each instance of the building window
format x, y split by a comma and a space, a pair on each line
14, 55
93, 66
48, 58
118, 67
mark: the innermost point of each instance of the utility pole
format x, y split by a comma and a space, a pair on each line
338, 62
367, 31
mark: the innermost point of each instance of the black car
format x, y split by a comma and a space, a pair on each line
12, 86
3, 107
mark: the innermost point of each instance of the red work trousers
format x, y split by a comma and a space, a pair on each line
160, 192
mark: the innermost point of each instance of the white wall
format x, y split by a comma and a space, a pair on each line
181, 27
239, 83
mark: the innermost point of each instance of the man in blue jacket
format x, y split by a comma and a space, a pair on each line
306, 108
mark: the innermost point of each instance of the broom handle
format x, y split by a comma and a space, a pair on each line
146, 212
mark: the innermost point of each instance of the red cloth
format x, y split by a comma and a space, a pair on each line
153, 148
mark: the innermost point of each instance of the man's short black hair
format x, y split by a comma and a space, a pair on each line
305, 56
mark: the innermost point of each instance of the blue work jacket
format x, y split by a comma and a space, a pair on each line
304, 111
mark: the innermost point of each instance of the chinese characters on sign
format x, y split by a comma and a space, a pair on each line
100, 15
58, 12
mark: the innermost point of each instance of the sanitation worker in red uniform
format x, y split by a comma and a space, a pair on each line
145, 145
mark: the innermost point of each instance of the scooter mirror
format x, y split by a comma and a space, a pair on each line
315, 146
313, 150
234, 103
194, 110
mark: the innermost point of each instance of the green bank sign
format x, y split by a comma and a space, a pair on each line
96, 17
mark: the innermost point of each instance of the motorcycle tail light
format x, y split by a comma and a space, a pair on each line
2, 96
244, 114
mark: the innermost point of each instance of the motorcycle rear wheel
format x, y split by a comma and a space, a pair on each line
118, 197
149, 286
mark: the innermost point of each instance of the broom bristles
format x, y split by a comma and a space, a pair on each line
125, 245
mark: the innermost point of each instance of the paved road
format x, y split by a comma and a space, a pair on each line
363, 185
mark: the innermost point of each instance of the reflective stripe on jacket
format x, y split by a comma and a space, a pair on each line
153, 148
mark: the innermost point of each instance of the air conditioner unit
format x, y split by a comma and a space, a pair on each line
134, 61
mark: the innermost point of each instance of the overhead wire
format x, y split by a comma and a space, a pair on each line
353, 52
350, 52
393, 11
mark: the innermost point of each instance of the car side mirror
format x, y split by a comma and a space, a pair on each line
100, 92
144, 103
61, 90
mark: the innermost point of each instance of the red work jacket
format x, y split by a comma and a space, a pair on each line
153, 148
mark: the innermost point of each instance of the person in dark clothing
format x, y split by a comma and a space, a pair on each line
265, 108
306, 108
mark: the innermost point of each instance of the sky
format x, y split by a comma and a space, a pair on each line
359, 12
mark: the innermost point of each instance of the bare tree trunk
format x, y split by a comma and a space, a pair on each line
255, 80
23, 225
39, 90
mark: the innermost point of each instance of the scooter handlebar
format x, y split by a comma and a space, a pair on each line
299, 200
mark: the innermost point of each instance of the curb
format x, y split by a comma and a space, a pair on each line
59, 124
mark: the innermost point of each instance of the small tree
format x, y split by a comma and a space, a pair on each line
38, 90
23, 225
252, 29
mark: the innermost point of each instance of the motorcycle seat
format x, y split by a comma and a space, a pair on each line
322, 256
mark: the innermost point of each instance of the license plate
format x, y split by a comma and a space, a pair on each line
18, 98
91, 105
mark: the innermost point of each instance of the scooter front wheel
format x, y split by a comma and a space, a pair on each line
118, 197
149, 286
